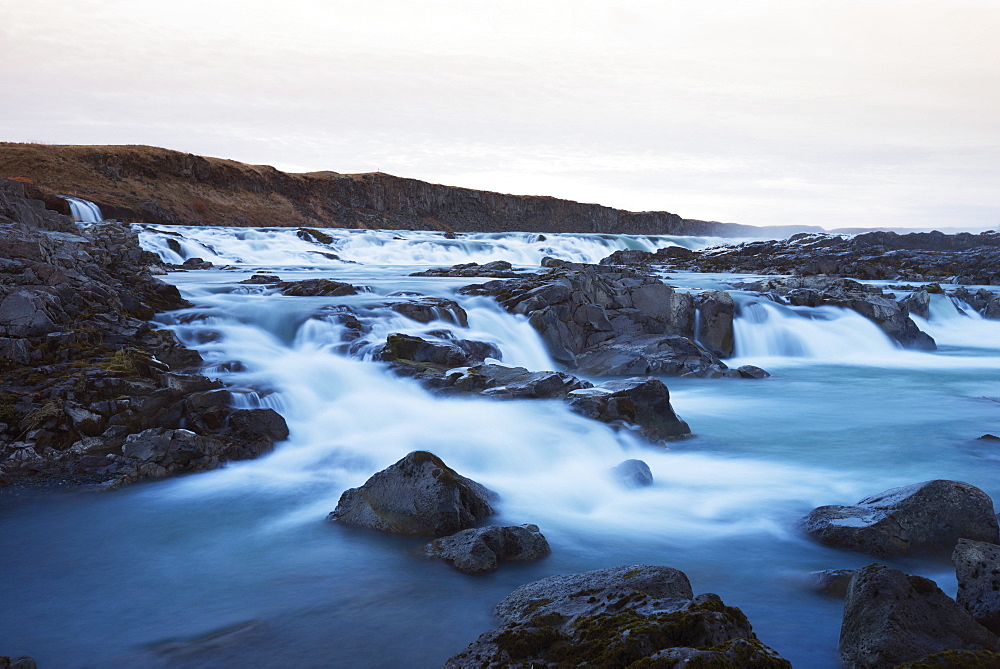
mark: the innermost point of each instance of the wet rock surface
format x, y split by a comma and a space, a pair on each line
621, 617
608, 321
419, 494
82, 371
977, 568
480, 550
891, 618
641, 402
632, 474
928, 517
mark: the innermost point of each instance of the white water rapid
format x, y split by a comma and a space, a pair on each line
154, 575
84, 211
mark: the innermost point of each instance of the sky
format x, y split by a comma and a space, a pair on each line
832, 113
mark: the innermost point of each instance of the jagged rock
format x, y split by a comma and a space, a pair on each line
715, 321
480, 550
977, 567
891, 618
428, 309
643, 402
417, 495
402, 349
507, 382
633, 474
317, 288
918, 302
928, 517
832, 582
614, 618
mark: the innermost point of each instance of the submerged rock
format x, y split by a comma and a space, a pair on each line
480, 550
891, 618
614, 618
832, 582
419, 494
928, 517
633, 474
977, 567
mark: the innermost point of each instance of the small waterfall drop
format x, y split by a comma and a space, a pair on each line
953, 322
766, 329
83, 211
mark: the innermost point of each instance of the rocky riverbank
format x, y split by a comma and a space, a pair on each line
89, 391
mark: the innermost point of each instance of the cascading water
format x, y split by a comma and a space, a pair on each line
84, 211
154, 574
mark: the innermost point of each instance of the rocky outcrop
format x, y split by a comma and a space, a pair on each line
638, 615
82, 371
891, 618
605, 321
143, 183
640, 402
869, 301
480, 550
419, 494
714, 328
977, 568
961, 259
928, 517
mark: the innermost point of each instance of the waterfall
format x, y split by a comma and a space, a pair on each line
83, 211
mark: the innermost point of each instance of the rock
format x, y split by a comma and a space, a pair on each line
417, 495
752, 372
23, 662
196, 263
402, 348
633, 474
261, 279
992, 309
989, 437
832, 582
317, 288
955, 659
918, 302
891, 618
480, 550
429, 309
977, 567
643, 402
614, 618
928, 517
502, 381
649, 354
715, 321
24, 313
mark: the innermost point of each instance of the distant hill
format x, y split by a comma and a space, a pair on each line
144, 183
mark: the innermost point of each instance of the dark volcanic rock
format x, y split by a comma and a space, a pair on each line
977, 567
502, 381
82, 371
891, 618
715, 321
429, 360
641, 402
480, 550
317, 288
23, 662
832, 582
498, 269
427, 309
417, 495
614, 618
928, 517
608, 321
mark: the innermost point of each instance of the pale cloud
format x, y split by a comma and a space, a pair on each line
880, 112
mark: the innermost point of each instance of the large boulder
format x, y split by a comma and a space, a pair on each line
715, 321
403, 350
891, 618
643, 403
928, 517
480, 550
977, 567
419, 494
663, 355
614, 618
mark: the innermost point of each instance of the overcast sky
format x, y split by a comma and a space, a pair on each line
840, 113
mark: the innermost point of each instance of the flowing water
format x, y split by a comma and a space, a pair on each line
238, 567
84, 211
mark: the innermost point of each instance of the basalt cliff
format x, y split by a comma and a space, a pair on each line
143, 183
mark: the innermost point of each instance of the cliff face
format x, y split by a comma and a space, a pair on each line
140, 183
